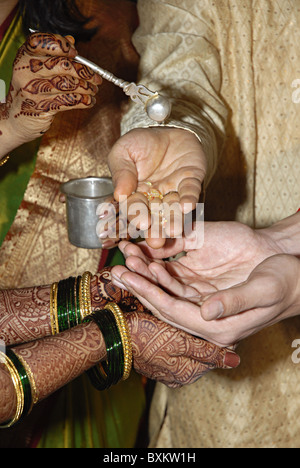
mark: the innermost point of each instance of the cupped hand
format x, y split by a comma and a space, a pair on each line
46, 80
160, 351
176, 291
270, 294
171, 356
159, 173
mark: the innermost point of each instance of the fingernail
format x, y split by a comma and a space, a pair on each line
103, 215
108, 244
103, 235
212, 311
73, 52
231, 360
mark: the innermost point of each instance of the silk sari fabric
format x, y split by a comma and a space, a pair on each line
230, 66
36, 249
15, 174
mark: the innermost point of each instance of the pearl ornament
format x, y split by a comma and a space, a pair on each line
158, 108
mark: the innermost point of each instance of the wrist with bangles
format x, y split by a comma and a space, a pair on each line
70, 305
4, 159
24, 384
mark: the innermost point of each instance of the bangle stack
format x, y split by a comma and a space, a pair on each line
125, 337
4, 160
24, 385
70, 305
109, 372
115, 332
70, 302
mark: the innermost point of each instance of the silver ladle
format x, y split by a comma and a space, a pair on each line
157, 107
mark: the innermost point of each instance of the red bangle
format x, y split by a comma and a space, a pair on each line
298, 210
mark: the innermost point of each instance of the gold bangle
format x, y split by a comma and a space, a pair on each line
18, 389
125, 337
53, 309
85, 295
4, 160
29, 373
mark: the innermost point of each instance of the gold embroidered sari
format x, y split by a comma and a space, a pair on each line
36, 249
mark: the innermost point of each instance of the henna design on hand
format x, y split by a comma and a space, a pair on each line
8, 399
58, 83
54, 361
63, 64
48, 42
103, 291
5, 108
170, 355
24, 314
53, 105
44, 65
43, 44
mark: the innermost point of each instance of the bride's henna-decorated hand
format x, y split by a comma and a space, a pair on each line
160, 352
45, 81
54, 361
172, 356
25, 313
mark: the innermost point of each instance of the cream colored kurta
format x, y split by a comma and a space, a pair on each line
236, 64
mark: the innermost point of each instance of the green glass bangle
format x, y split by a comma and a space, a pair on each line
106, 373
62, 312
66, 308
77, 303
117, 357
24, 381
102, 375
71, 302
109, 372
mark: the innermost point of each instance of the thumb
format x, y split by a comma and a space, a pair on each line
124, 174
233, 301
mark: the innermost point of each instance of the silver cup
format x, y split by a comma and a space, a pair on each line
83, 196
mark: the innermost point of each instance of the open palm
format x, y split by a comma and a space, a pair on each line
172, 161
174, 290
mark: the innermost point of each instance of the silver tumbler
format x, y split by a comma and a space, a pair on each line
83, 196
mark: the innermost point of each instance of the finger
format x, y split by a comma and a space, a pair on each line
128, 248
60, 84
86, 73
211, 355
189, 191
137, 265
161, 304
70, 39
109, 244
154, 240
171, 248
155, 235
169, 282
246, 296
123, 171
138, 213
108, 209
116, 274
49, 44
59, 65
173, 220
52, 105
